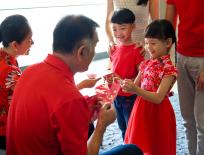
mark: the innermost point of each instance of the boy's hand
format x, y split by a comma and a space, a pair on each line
141, 46
111, 47
111, 44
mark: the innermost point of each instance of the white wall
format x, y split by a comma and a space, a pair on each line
43, 16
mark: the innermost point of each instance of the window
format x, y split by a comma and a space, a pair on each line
43, 16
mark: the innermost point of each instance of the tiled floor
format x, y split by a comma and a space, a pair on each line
2, 152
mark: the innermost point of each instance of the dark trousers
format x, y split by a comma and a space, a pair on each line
3, 142
127, 149
123, 106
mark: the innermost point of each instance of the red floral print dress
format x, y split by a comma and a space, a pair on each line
152, 127
9, 74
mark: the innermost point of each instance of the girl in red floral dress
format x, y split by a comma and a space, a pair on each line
16, 38
152, 125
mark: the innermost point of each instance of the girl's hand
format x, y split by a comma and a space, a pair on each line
128, 86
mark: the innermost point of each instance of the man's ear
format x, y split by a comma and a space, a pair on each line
81, 52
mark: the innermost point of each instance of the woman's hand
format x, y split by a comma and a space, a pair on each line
88, 83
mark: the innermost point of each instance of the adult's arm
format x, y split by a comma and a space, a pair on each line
109, 12
171, 14
87, 83
154, 9
106, 116
155, 97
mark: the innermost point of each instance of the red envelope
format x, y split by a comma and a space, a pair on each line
108, 93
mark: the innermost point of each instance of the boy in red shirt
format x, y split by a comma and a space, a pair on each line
125, 58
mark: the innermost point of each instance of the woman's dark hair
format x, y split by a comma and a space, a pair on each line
71, 31
123, 16
142, 2
14, 28
160, 29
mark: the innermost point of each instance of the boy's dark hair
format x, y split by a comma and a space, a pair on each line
142, 2
14, 28
71, 31
123, 16
161, 29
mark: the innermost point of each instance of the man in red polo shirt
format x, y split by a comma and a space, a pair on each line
48, 115
191, 68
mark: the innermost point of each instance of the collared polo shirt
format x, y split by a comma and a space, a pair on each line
48, 115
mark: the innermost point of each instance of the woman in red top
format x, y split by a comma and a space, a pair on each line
152, 125
16, 38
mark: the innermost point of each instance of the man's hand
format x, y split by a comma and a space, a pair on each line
200, 83
107, 115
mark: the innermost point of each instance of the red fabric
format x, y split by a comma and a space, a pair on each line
9, 74
48, 115
152, 127
154, 70
191, 27
94, 106
106, 93
124, 62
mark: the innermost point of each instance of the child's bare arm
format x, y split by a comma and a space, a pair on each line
155, 97
137, 79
